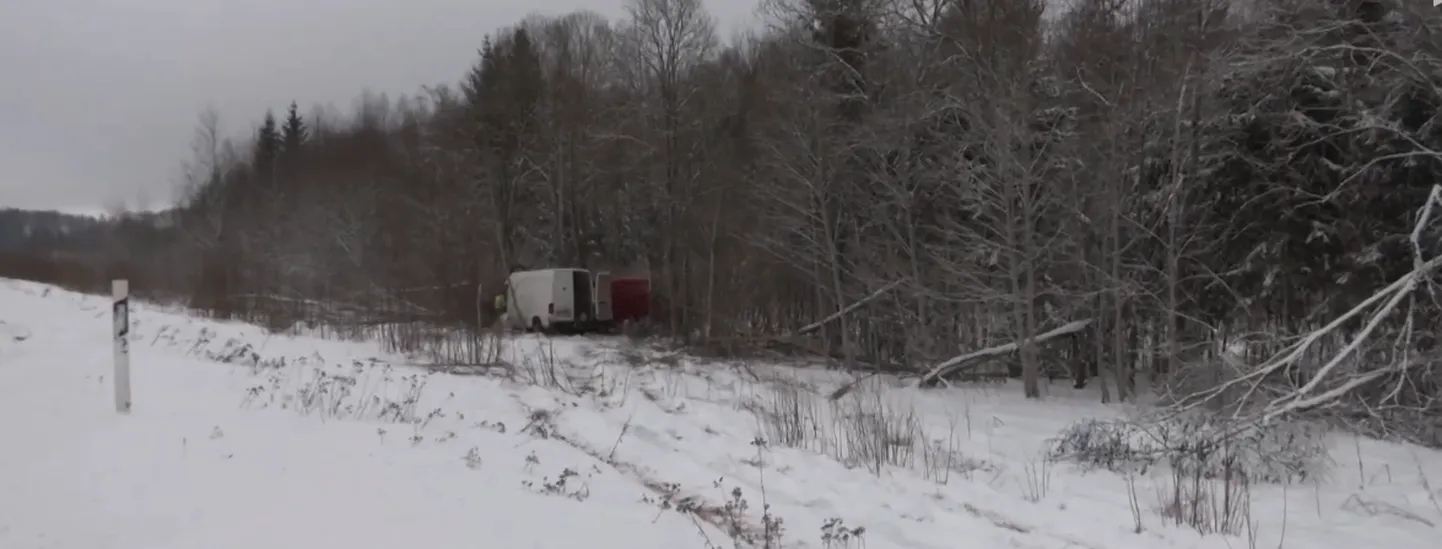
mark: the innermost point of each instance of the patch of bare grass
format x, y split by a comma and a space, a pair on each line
867, 427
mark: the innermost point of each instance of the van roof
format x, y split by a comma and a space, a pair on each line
557, 270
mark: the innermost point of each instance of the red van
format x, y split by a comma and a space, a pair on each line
630, 299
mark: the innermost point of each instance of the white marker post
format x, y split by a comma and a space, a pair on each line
120, 293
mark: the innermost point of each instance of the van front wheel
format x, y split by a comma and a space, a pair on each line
536, 325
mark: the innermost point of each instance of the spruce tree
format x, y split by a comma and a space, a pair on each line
267, 148
294, 134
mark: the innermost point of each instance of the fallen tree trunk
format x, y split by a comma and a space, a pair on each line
794, 339
970, 359
847, 310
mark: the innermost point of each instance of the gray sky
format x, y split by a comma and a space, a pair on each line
99, 98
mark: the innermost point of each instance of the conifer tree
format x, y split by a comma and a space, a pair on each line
294, 134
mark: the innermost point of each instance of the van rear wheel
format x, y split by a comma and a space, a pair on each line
536, 325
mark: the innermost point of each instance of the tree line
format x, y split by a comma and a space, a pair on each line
1203, 181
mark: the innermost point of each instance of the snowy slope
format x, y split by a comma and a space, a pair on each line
243, 439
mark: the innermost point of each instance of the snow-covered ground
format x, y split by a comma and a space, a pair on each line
243, 439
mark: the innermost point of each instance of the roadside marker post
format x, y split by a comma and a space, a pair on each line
120, 309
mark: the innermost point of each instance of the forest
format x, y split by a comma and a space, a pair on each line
1232, 200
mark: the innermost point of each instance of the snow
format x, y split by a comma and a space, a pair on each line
241, 438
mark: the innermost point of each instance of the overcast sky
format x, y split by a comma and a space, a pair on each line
99, 98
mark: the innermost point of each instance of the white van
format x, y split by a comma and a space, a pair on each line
550, 300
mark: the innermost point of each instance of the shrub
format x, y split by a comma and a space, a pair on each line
1277, 453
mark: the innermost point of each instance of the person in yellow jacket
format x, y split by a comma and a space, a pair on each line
501, 303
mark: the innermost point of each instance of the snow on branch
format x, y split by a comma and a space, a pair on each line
1311, 395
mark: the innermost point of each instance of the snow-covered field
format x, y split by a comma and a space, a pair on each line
248, 440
